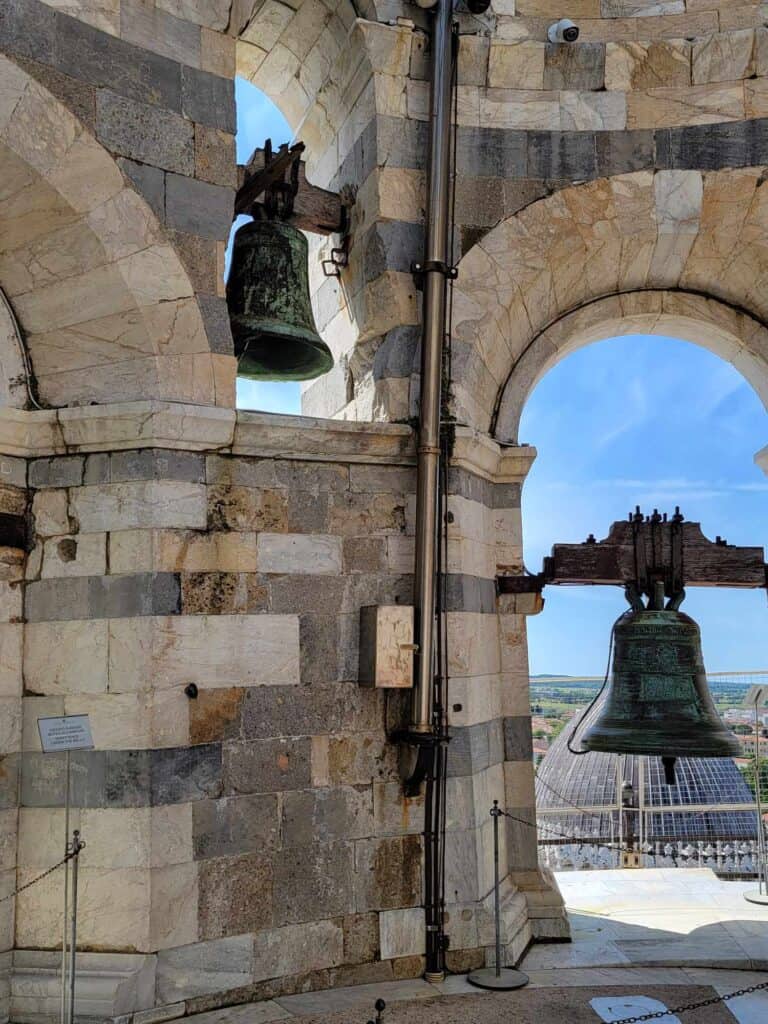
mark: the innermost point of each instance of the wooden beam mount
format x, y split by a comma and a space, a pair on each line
314, 209
642, 550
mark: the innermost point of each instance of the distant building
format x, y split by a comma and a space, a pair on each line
706, 819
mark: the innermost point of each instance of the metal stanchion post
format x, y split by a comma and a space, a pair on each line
77, 846
497, 977
759, 895
65, 921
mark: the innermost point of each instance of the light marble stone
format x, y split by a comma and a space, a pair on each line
210, 650
50, 511
313, 554
102, 14
401, 932
598, 111
81, 555
516, 65
701, 104
66, 657
171, 835
647, 65
296, 949
725, 57
145, 503
11, 648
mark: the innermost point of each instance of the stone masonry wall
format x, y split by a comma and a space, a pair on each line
253, 837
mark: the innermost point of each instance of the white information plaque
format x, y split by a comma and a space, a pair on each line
72, 732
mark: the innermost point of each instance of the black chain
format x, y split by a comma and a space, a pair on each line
34, 881
692, 1006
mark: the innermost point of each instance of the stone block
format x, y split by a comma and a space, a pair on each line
102, 60
217, 53
197, 206
186, 773
491, 152
42, 779
127, 778
211, 651
215, 160
171, 835
566, 155
145, 133
140, 504
218, 593
518, 65
474, 748
155, 464
401, 933
648, 65
294, 553
234, 825
208, 99
64, 657
238, 508
267, 766
364, 554
159, 1014
579, 67
724, 57
61, 471
215, 715
213, 310
11, 654
309, 711
387, 873
81, 555
312, 881
517, 738
361, 758
205, 967
148, 181
156, 30
28, 30
297, 949
50, 512
624, 152
235, 895
326, 815
103, 597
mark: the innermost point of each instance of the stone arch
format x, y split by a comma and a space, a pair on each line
704, 235
733, 335
107, 310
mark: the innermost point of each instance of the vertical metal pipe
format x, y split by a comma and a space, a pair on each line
434, 323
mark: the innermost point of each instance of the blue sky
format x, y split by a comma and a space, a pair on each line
635, 420
655, 422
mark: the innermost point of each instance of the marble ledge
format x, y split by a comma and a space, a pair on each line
155, 424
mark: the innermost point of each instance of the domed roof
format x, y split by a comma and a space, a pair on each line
578, 796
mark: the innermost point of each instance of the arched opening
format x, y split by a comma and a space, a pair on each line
655, 421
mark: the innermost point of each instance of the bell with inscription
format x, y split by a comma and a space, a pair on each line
269, 306
658, 700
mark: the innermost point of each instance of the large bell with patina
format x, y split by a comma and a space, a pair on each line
658, 701
269, 306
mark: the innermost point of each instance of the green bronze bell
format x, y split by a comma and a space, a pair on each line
658, 700
269, 306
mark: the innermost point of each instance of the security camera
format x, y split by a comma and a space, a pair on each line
563, 31
478, 6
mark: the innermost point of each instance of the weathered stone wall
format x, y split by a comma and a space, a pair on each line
253, 838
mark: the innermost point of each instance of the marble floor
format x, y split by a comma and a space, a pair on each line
638, 933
